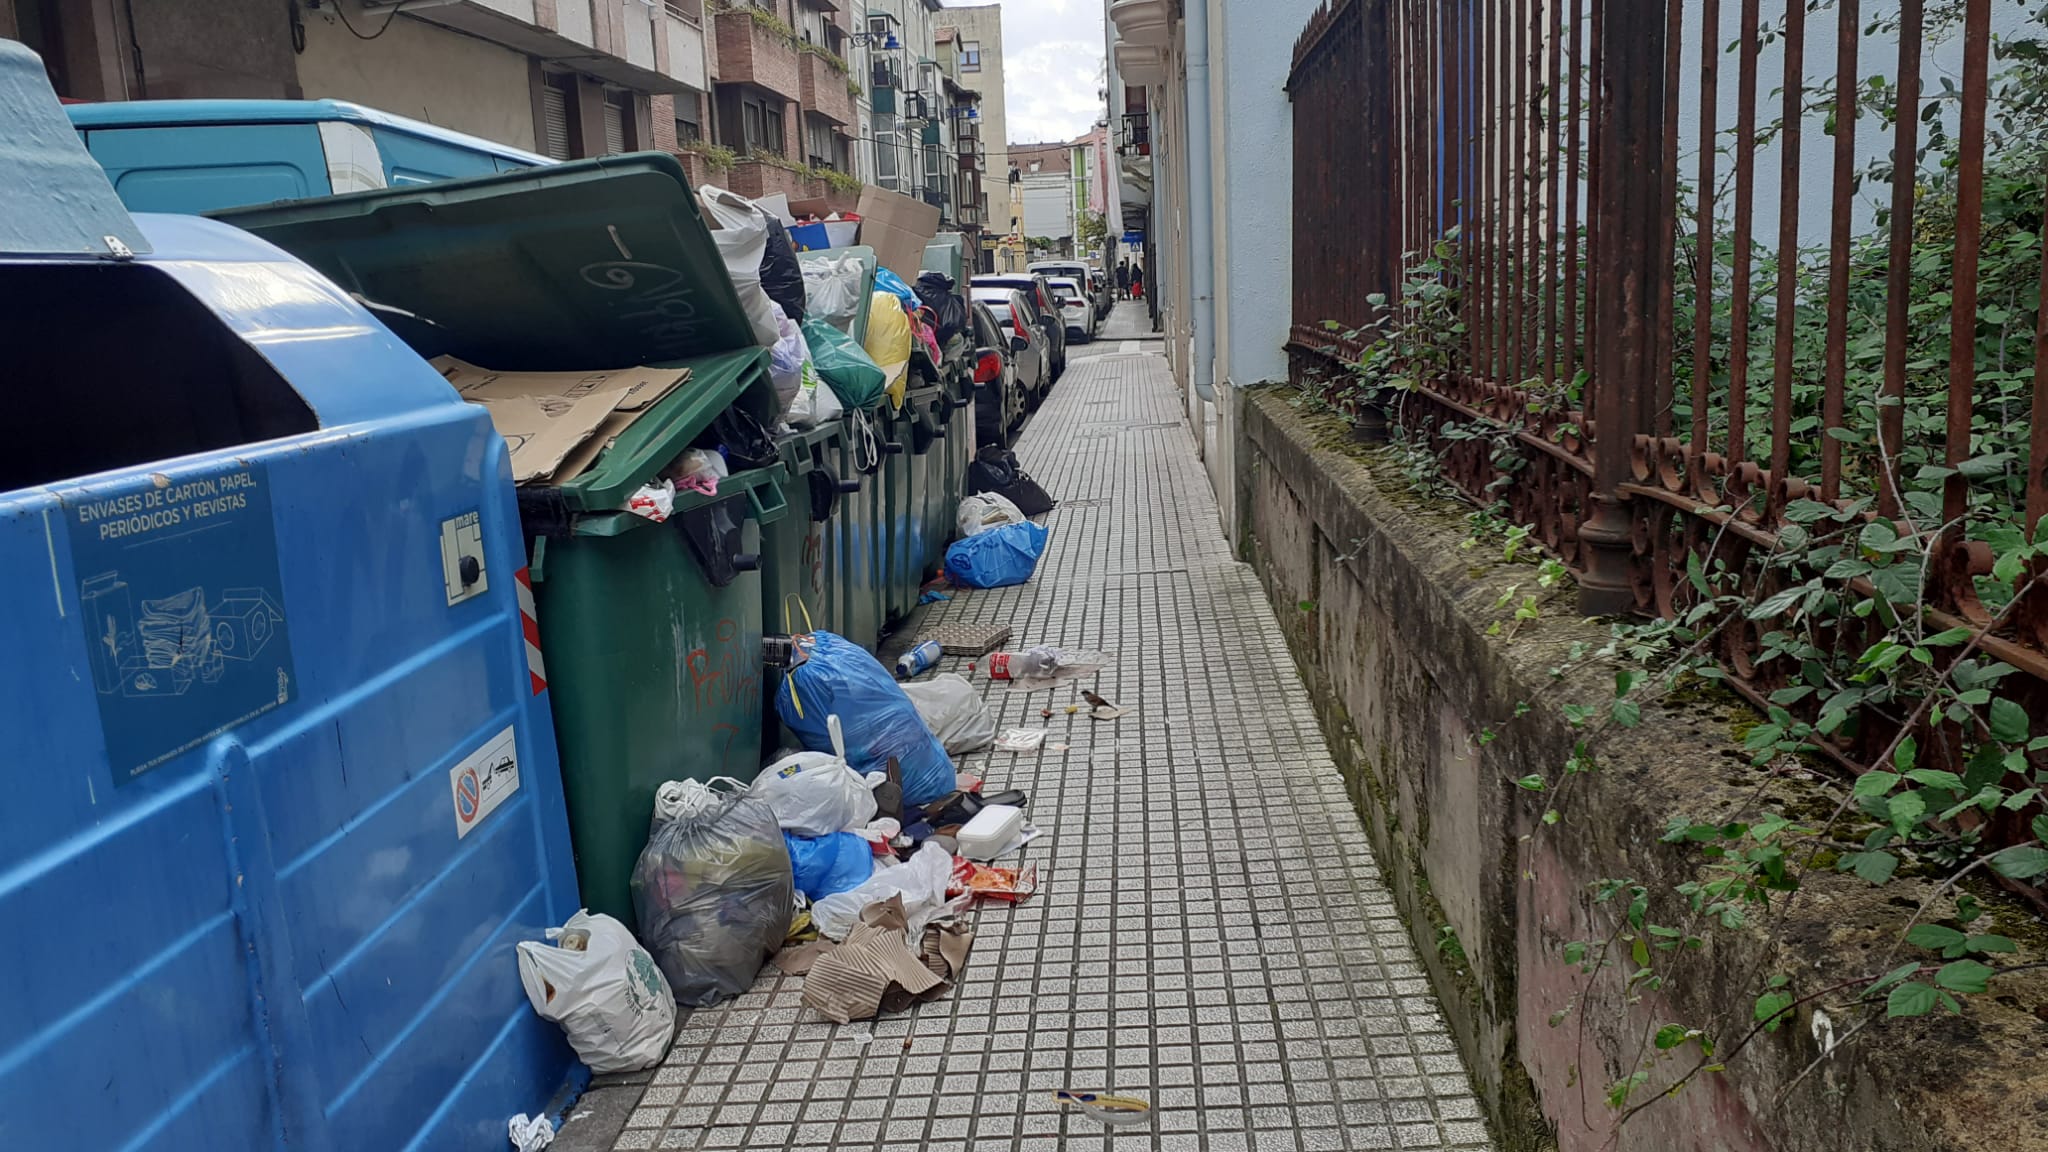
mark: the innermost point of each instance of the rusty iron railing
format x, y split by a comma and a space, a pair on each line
1542, 140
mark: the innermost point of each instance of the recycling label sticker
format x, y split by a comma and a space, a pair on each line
182, 608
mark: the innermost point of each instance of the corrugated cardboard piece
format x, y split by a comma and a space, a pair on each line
875, 971
558, 423
897, 227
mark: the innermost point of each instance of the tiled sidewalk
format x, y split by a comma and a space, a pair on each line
1211, 932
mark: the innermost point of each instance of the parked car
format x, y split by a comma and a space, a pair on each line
999, 400
191, 156
1026, 338
1044, 311
1075, 307
1097, 283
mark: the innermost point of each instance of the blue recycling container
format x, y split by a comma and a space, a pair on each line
281, 788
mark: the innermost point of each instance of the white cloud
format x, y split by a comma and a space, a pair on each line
1052, 68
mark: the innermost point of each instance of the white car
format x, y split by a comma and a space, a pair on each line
1075, 305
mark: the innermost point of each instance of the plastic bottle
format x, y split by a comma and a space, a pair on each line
919, 660
1026, 665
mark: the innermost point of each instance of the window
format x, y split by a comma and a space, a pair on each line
970, 56
688, 131
818, 143
771, 122
616, 117
688, 11
558, 135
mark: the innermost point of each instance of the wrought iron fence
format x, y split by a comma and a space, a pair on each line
1677, 392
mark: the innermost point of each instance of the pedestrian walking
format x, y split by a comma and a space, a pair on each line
1137, 282
1123, 279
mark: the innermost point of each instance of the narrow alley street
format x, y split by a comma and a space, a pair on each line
1211, 932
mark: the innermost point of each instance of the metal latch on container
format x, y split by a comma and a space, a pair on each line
117, 249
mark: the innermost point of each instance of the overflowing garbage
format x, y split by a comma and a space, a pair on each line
713, 889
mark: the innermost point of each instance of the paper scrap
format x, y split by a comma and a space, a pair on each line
1021, 739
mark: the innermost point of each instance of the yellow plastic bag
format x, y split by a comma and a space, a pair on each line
888, 343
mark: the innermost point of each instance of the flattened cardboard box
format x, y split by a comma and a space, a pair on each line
897, 227
558, 423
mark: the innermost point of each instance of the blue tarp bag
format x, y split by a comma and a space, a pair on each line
998, 557
824, 865
878, 721
888, 281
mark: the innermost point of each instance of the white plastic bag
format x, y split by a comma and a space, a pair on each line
816, 403
789, 359
742, 236
954, 712
815, 793
609, 997
656, 502
832, 289
922, 884
979, 513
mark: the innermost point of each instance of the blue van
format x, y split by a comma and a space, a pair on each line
193, 156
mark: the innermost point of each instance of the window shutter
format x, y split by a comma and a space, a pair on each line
614, 126
555, 111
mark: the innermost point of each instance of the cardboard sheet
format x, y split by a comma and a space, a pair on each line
558, 423
897, 227
874, 971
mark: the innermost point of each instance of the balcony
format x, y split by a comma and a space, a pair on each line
970, 157
823, 89
751, 54
623, 53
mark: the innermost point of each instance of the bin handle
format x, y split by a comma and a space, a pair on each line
764, 512
786, 621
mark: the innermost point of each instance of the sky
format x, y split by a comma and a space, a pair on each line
1052, 67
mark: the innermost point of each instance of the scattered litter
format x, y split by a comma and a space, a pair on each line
815, 793
1009, 885
1043, 666
1021, 739
653, 501
933, 596
1073, 708
698, 470
876, 971
983, 511
1045, 713
967, 782
919, 660
604, 990
920, 885
1106, 1108
531, 1133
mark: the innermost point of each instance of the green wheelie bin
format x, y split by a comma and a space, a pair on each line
857, 459
898, 512
804, 560
650, 632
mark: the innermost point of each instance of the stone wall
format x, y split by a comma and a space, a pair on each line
1388, 616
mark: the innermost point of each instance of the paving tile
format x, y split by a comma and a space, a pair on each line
1131, 969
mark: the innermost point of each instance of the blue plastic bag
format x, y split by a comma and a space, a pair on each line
878, 721
825, 865
887, 281
998, 557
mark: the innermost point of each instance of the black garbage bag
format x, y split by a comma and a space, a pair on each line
941, 293
781, 277
995, 469
746, 444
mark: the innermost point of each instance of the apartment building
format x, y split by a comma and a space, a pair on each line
977, 33
562, 77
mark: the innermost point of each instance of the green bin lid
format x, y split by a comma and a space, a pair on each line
592, 265
595, 264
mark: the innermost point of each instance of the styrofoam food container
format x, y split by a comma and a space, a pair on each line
991, 832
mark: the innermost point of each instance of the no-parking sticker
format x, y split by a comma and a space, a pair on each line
483, 780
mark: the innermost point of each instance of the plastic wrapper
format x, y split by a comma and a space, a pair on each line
655, 501
712, 891
838, 677
789, 359
781, 279
998, 557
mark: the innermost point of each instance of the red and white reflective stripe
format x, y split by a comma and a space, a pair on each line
530, 624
